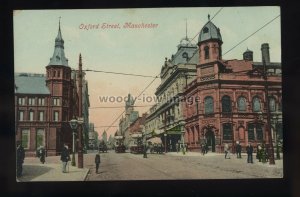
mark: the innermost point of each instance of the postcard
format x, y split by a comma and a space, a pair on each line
176, 93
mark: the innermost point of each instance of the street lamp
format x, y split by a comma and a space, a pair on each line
165, 135
73, 124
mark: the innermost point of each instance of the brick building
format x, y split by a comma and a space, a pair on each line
227, 101
44, 104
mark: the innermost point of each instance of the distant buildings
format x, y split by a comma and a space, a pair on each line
124, 123
44, 104
92, 137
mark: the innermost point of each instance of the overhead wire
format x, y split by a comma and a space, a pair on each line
135, 99
250, 35
119, 73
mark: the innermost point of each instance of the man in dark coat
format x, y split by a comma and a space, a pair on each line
42, 154
20, 158
65, 157
249, 150
97, 162
238, 150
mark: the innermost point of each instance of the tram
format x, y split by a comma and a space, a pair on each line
119, 144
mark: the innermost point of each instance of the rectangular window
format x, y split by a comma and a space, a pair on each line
31, 115
40, 138
21, 116
56, 102
25, 138
21, 101
227, 131
31, 101
41, 101
41, 116
251, 131
56, 115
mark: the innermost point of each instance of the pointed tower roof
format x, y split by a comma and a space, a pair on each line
209, 32
59, 57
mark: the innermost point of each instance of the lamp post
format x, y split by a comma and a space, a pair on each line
73, 124
165, 135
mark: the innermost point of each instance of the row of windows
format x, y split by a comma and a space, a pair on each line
57, 73
255, 132
41, 116
241, 104
40, 101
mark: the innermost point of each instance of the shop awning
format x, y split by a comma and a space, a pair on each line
156, 140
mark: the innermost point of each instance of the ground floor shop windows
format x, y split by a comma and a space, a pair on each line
25, 138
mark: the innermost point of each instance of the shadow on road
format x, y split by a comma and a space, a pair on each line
30, 172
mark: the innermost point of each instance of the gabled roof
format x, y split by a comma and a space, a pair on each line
31, 84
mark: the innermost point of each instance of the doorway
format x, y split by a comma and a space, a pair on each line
210, 140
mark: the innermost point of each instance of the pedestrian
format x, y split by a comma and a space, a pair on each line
20, 158
203, 148
97, 162
249, 150
206, 147
145, 151
238, 150
177, 147
42, 154
259, 153
226, 150
65, 157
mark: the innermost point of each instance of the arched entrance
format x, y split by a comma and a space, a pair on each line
210, 139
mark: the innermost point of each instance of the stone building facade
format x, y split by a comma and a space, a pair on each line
227, 102
165, 117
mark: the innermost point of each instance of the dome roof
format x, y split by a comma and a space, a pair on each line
208, 32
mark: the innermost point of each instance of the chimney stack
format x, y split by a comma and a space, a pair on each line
248, 55
265, 54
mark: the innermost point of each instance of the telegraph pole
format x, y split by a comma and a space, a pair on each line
80, 153
271, 148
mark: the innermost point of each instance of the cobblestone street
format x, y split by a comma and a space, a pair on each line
127, 166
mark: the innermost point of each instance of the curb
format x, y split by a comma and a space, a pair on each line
86, 175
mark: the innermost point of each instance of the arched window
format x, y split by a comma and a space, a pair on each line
227, 131
205, 30
209, 105
272, 105
256, 104
206, 51
242, 104
226, 104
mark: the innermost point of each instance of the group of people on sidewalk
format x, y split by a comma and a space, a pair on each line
261, 154
238, 148
65, 158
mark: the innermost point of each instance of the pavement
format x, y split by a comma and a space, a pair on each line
51, 170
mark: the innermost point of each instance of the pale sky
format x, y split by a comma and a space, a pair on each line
138, 51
